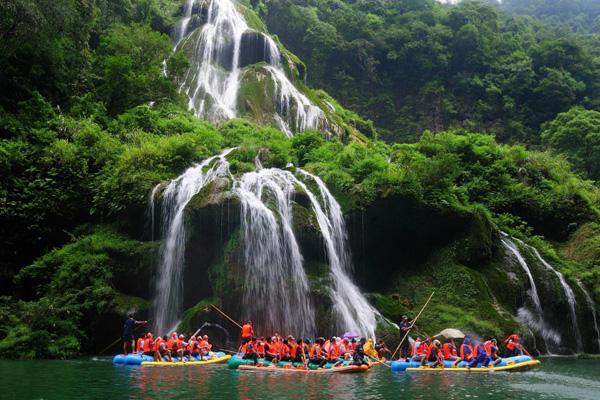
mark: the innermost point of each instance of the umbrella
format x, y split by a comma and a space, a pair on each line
350, 335
451, 333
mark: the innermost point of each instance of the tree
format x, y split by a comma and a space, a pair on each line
576, 133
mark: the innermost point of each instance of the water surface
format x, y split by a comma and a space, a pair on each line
97, 378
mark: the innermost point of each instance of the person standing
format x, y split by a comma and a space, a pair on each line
405, 326
247, 332
128, 327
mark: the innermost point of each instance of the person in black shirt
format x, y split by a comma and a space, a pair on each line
405, 326
128, 328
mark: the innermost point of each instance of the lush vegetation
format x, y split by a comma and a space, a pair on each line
89, 125
415, 65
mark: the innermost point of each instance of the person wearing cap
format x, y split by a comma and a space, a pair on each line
128, 327
434, 355
161, 349
205, 346
405, 326
345, 349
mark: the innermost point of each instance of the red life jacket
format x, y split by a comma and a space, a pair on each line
246, 331
148, 345
138, 344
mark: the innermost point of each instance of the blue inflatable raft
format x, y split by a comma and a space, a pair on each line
140, 359
518, 363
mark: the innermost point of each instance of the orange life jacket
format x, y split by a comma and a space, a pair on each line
415, 346
138, 344
334, 351
431, 349
148, 345
157, 343
246, 331
315, 350
260, 347
463, 349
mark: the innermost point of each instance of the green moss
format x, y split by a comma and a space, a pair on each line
251, 18
202, 308
124, 304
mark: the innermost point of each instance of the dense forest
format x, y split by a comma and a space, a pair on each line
483, 112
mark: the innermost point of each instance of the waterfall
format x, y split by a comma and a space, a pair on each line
167, 305
535, 319
181, 28
569, 294
276, 292
353, 311
212, 83
274, 265
592, 307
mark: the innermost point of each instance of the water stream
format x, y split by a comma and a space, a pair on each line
212, 83
592, 307
168, 302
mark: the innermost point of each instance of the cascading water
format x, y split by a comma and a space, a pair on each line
167, 305
569, 294
351, 308
212, 83
273, 259
276, 292
276, 287
592, 307
532, 318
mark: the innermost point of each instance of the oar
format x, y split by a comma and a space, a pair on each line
225, 315
377, 360
118, 340
413, 324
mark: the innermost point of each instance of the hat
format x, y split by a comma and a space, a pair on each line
205, 337
181, 336
404, 317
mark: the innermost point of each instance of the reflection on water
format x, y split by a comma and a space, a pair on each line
97, 378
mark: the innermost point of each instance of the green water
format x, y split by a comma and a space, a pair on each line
97, 378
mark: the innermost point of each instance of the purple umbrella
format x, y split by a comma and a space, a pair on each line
350, 335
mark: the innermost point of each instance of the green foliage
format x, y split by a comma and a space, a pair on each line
63, 289
416, 65
576, 134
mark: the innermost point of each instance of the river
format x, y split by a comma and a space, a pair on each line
97, 378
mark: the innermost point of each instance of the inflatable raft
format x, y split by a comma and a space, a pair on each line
140, 359
237, 362
342, 369
518, 363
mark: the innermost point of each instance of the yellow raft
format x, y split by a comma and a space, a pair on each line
216, 360
509, 367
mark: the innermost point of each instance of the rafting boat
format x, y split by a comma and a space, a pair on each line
237, 362
342, 369
518, 363
140, 359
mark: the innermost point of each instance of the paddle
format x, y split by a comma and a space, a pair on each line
225, 315
119, 339
380, 362
413, 324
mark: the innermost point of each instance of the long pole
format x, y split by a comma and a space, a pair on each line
413, 324
117, 341
225, 315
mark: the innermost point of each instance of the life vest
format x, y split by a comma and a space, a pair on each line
465, 351
315, 351
260, 347
138, 345
447, 351
415, 347
148, 345
249, 348
295, 350
432, 350
477, 350
180, 344
284, 350
157, 343
334, 351
487, 345
246, 331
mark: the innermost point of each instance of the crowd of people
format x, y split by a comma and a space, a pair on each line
166, 346
484, 353
320, 351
